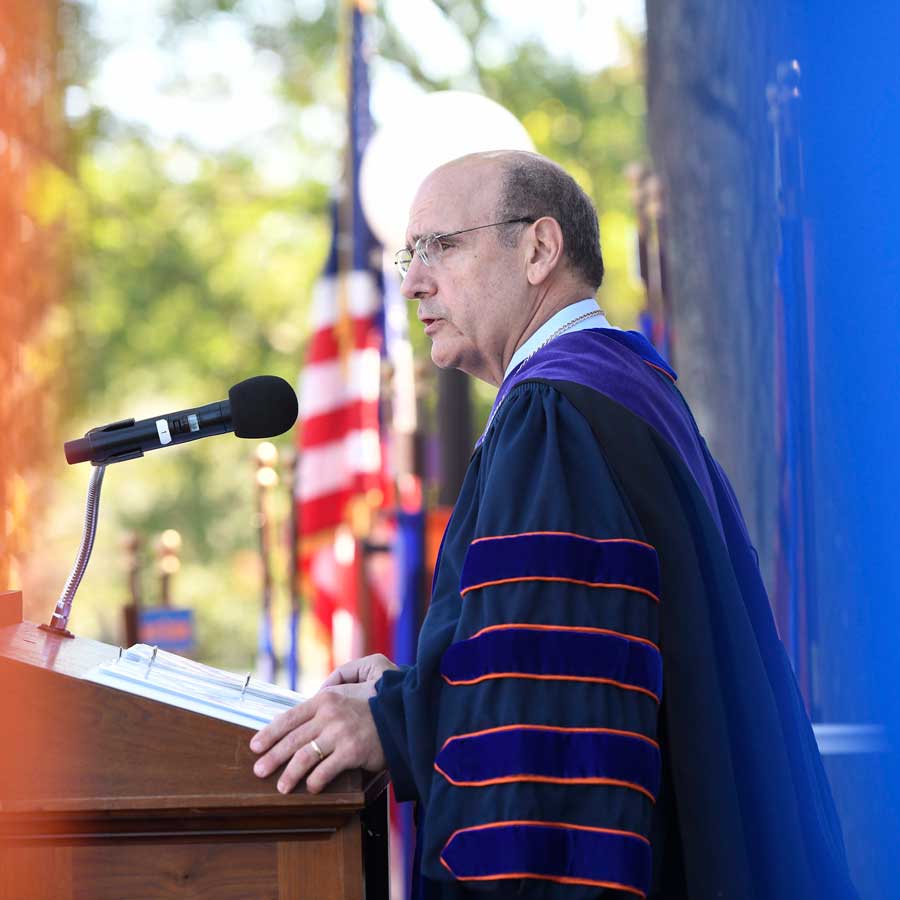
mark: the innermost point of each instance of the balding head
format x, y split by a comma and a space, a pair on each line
515, 184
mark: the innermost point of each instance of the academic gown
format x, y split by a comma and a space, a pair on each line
600, 705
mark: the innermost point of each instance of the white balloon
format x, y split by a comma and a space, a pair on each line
426, 134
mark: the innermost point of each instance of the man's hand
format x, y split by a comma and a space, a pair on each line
358, 671
337, 719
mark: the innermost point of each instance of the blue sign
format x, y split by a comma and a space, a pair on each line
166, 628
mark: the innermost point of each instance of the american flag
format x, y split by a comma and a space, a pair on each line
340, 478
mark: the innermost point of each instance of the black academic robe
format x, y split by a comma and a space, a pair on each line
600, 705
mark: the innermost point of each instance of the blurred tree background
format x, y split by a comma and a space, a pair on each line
193, 258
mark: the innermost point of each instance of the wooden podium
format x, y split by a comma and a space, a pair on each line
104, 794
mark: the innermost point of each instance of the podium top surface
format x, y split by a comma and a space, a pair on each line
27, 643
77, 746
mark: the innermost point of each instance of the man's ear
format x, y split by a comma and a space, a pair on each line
545, 250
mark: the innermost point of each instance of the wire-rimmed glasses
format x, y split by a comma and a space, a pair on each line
429, 247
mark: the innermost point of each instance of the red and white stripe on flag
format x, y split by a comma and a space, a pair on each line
339, 442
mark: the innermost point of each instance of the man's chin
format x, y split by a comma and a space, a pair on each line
441, 357
442, 364
459, 362
455, 352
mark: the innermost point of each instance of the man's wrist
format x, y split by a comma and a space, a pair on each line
395, 758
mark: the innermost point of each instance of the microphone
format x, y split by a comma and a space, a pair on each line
259, 407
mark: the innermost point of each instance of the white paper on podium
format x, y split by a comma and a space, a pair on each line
181, 682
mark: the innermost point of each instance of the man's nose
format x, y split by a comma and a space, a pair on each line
418, 281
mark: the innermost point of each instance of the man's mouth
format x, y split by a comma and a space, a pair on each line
430, 324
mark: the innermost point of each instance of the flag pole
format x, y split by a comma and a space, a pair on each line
266, 477
292, 663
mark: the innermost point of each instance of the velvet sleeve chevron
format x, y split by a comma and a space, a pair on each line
542, 644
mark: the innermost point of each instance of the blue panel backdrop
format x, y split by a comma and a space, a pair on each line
851, 86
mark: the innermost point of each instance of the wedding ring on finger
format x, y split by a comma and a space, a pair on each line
316, 749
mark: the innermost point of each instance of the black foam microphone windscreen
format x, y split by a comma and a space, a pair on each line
262, 407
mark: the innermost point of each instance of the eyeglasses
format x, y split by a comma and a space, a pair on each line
430, 247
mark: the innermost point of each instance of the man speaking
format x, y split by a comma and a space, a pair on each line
600, 705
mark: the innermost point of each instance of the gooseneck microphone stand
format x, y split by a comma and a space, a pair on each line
260, 407
60, 618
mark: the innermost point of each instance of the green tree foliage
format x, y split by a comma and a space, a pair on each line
190, 283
